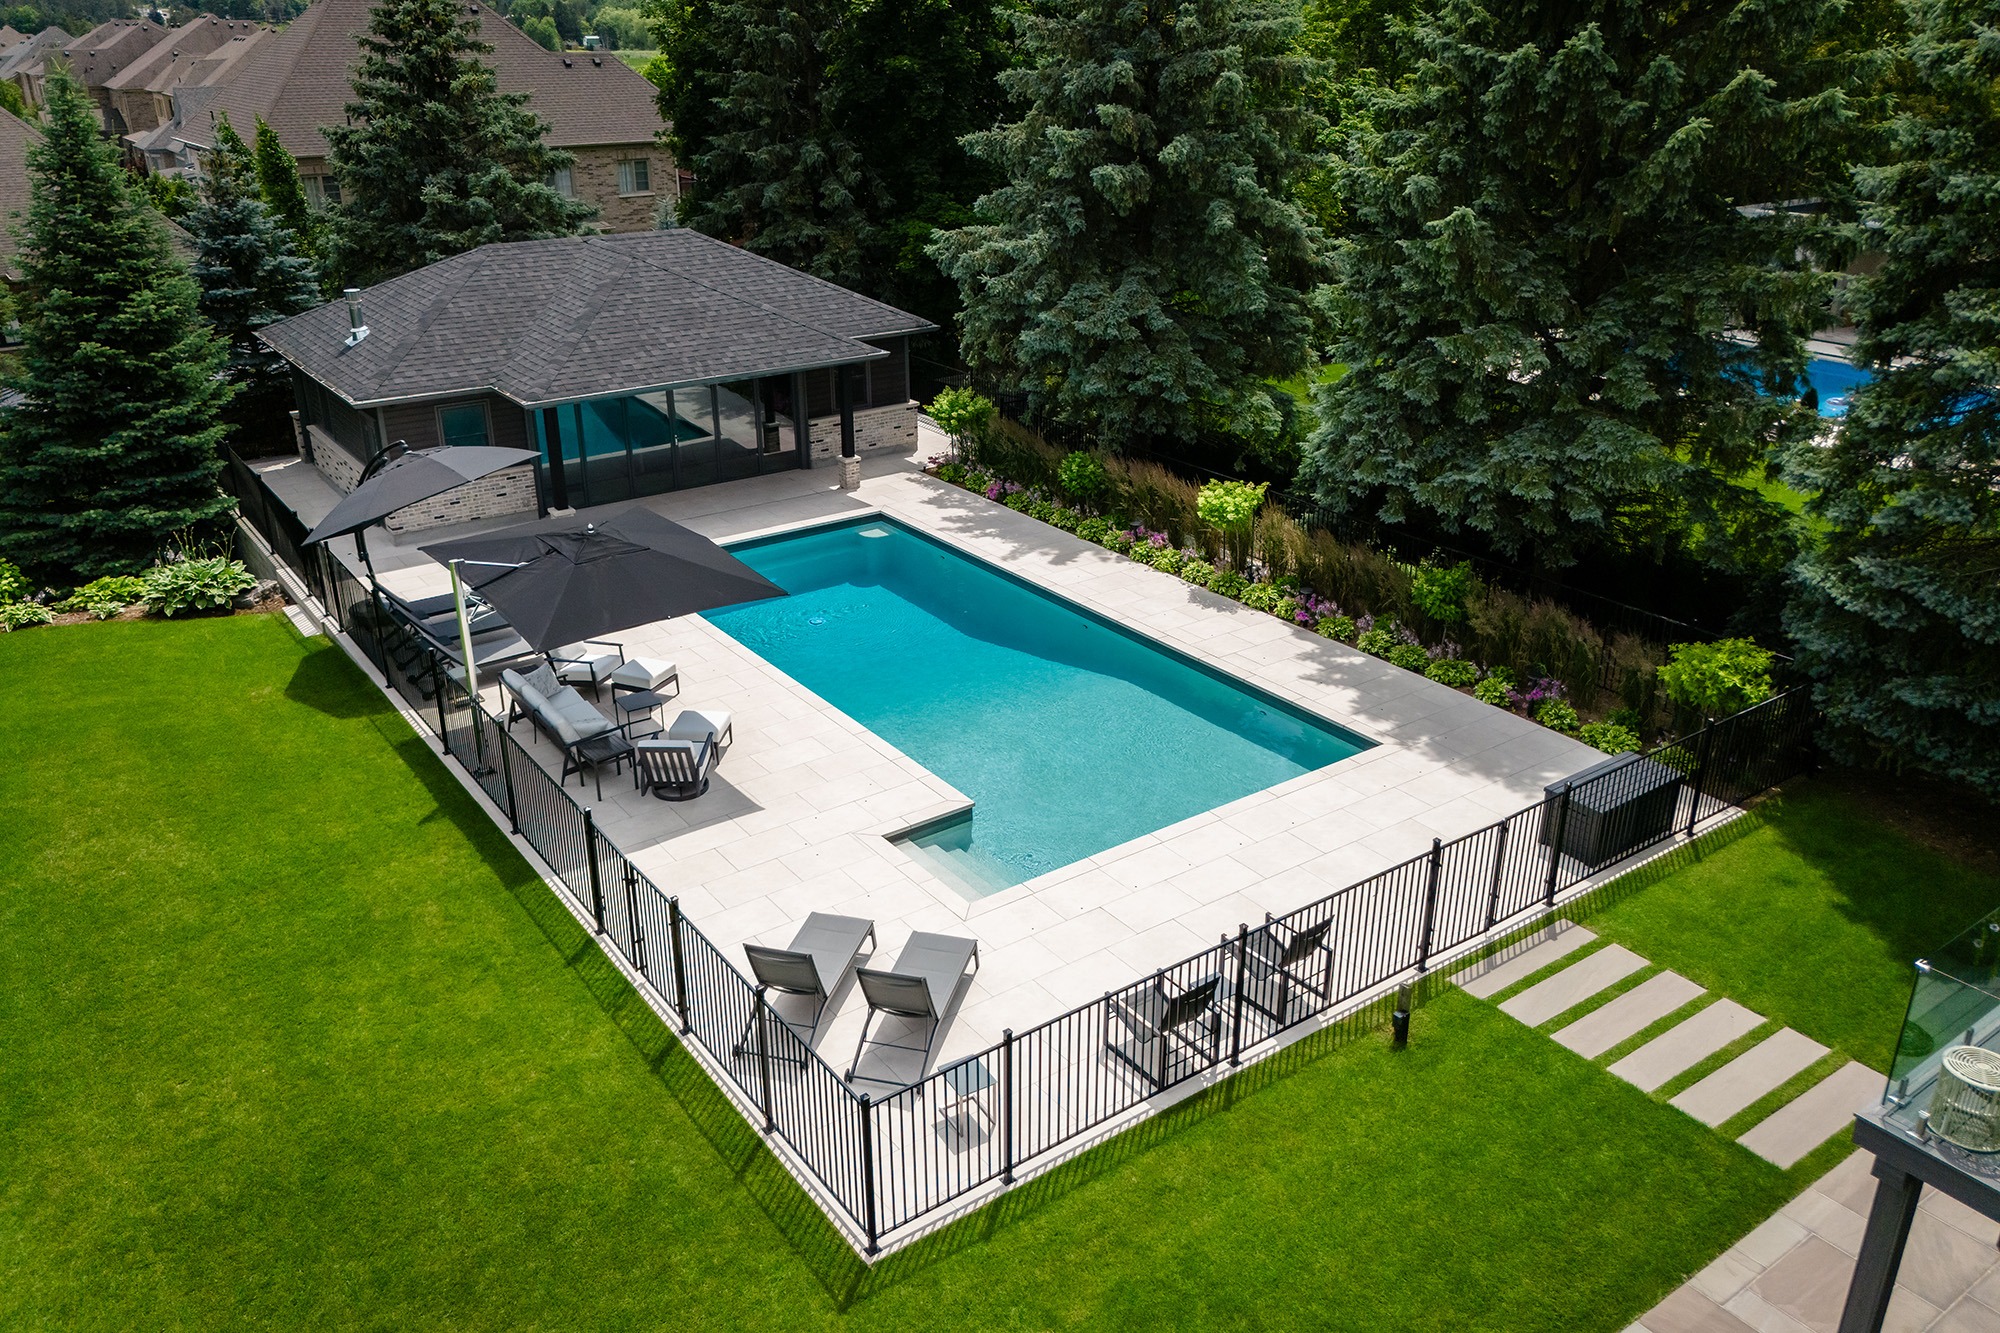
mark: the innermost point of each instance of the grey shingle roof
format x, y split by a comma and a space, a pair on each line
99, 55
302, 79
579, 317
170, 60
24, 55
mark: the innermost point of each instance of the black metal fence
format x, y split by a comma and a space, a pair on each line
884, 1165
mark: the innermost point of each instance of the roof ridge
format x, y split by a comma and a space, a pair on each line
438, 303
593, 305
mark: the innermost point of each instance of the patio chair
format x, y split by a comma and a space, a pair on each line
593, 661
814, 965
713, 724
1159, 1017
920, 986
1278, 960
673, 770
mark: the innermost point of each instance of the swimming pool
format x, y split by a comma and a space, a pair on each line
1834, 382
1069, 734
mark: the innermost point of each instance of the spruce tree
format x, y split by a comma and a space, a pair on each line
114, 448
284, 196
251, 275
436, 159
1143, 270
1897, 615
1568, 320
775, 172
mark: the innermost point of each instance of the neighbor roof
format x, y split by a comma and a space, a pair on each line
23, 54
98, 56
169, 62
586, 316
16, 137
302, 79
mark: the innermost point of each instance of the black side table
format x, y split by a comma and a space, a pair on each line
636, 708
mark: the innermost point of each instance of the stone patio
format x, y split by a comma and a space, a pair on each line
799, 815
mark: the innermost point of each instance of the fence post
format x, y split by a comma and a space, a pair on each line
444, 732
868, 1172
1431, 903
1700, 772
1236, 1019
632, 919
1556, 847
764, 1060
680, 962
1007, 1106
596, 888
1499, 864
504, 742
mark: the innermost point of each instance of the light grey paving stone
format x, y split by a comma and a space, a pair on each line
1686, 1044
1634, 1011
1573, 985
1759, 1070
1815, 1115
1498, 973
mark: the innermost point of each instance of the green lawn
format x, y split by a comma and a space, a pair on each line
1300, 386
1810, 912
289, 1037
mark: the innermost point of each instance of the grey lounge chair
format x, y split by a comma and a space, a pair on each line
1279, 962
814, 965
673, 770
1159, 1017
919, 986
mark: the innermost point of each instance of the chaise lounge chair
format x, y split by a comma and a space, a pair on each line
919, 986
814, 965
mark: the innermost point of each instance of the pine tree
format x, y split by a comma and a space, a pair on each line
284, 196
1143, 270
436, 160
1897, 616
251, 275
114, 449
775, 173
1560, 314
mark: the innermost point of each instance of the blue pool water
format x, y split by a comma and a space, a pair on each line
1069, 735
1835, 383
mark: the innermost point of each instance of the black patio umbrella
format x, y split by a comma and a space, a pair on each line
562, 581
404, 480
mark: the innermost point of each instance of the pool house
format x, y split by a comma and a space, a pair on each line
632, 364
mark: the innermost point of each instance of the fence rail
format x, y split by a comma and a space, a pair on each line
885, 1164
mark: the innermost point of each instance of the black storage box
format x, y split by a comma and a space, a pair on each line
1615, 807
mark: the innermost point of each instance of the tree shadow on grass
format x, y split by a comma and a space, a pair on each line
327, 682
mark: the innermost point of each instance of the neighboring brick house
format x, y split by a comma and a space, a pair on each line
94, 59
140, 96
301, 79
26, 55
632, 364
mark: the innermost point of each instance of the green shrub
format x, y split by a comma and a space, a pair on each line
1094, 529
1441, 591
961, 413
1340, 628
1260, 597
13, 583
1166, 559
1608, 737
977, 481
1558, 715
1717, 678
195, 585
1040, 509
1083, 479
20, 615
1376, 642
1116, 540
1453, 671
1494, 690
1230, 508
951, 472
1627, 718
1069, 520
1409, 656
1020, 501
1229, 583
1286, 609
1198, 571
106, 597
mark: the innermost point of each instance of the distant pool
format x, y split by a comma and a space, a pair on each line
1834, 382
1069, 734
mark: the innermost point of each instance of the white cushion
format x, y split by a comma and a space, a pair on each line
644, 673
707, 724
570, 709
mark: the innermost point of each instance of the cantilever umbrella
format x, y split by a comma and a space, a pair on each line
395, 481
561, 581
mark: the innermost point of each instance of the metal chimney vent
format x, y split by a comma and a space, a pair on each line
356, 329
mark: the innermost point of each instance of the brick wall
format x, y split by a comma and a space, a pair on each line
497, 496
596, 178
876, 430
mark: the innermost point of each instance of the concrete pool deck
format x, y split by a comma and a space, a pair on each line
797, 818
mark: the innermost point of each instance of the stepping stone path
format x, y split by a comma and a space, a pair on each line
1783, 1137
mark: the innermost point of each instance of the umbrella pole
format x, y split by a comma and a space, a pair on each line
471, 671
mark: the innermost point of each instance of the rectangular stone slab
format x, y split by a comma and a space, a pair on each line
1573, 985
1759, 1070
1815, 1115
1634, 1011
1497, 974
1686, 1044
